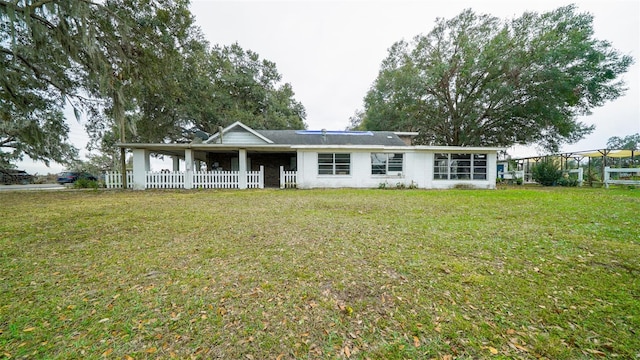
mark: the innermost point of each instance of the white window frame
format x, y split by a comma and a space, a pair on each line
386, 159
446, 167
337, 168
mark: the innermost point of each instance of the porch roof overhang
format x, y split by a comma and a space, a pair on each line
179, 149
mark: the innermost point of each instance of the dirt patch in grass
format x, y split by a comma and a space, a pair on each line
518, 273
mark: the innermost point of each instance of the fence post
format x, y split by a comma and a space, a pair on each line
606, 177
261, 177
580, 176
188, 173
281, 177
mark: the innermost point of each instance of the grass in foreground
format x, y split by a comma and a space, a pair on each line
531, 273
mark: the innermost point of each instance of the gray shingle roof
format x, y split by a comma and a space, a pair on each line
312, 137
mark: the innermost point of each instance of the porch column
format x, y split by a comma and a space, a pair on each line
176, 163
242, 169
141, 165
188, 173
492, 169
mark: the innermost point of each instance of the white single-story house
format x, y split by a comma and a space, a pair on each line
241, 157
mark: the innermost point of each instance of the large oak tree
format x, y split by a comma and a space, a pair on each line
212, 87
80, 53
475, 80
139, 69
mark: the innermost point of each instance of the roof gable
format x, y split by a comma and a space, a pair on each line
238, 133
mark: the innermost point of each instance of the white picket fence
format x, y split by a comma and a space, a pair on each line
288, 179
164, 180
255, 179
113, 180
216, 179
614, 175
178, 179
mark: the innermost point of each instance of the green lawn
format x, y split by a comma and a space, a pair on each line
393, 274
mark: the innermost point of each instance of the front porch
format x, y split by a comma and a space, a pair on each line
200, 180
209, 166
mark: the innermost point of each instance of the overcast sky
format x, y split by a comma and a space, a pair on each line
330, 51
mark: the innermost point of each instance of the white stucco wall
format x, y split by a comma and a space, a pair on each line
141, 165
417, 170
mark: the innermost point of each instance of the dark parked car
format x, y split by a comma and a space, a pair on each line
13, 176
69, 177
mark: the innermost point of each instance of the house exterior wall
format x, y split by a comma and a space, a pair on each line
418, 171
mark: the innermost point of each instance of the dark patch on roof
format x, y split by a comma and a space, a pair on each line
298, 137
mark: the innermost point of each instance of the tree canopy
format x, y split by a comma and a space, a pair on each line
475, 80
629, 142
211, 87
139, 69
78, 53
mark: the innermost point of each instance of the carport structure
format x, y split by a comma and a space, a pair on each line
620, 158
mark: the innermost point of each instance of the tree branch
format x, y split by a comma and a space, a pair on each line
38, 73
5, 5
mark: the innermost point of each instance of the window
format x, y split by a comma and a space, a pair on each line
334, 164
460, 166
479, 166
386, 163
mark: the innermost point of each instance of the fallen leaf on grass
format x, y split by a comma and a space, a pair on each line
596, 352
107, 352
416, 341
517, 346
347, 352
151, 350
29, 329
127, 357
491, 349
